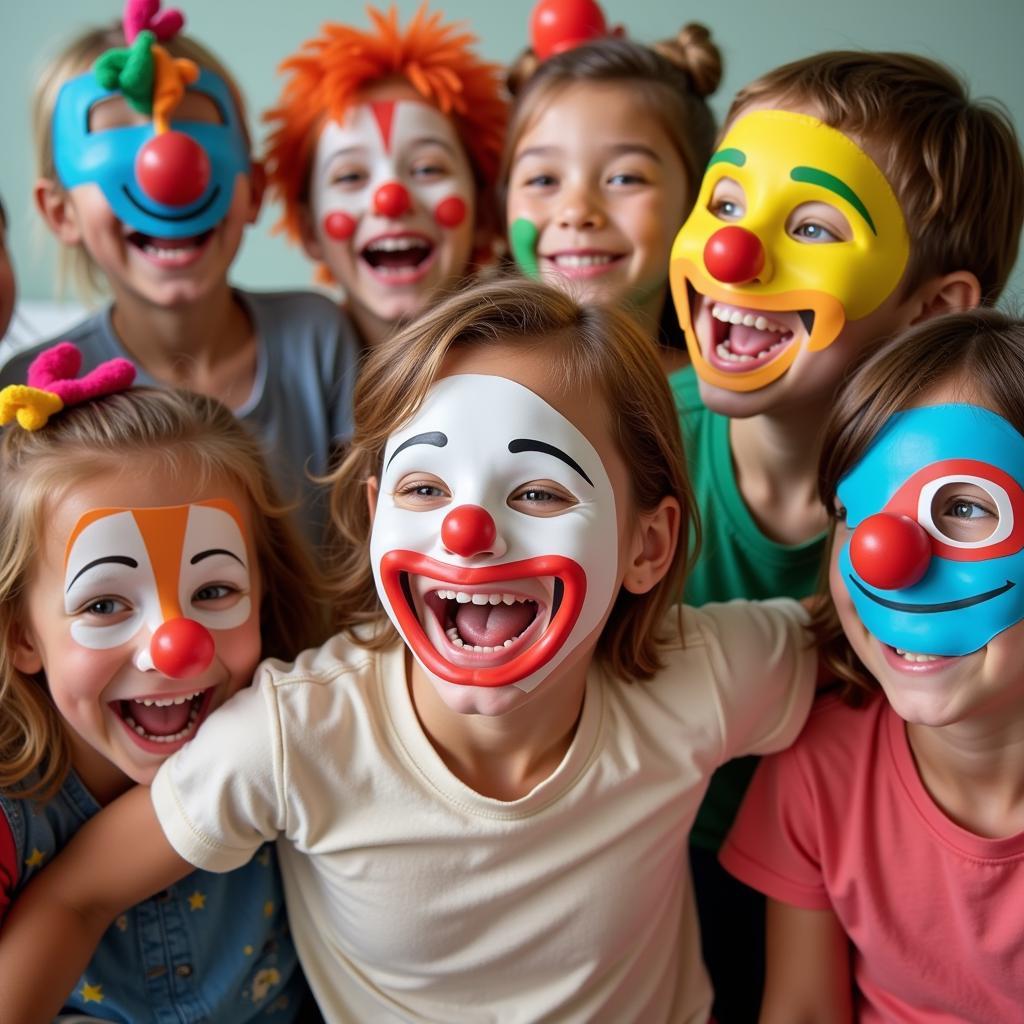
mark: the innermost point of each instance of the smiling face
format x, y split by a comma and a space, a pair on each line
495, 542
928, 569
144, 619
796, 240
392, 205
596, 194
155, 207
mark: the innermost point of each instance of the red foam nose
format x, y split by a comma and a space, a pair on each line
734, 255
890, 552
468, 530
173, 169
558, 25
391, 200
181, 648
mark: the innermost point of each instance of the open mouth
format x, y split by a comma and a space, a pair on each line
162, 724
487, 626
737, 339
170, 252
582, 263
399, 258
944, 606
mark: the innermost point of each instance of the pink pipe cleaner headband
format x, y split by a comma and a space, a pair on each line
53, 383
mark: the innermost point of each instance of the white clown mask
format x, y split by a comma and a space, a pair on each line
485, 594
392, 161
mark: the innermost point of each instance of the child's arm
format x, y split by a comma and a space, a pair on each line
115, 860
807, 979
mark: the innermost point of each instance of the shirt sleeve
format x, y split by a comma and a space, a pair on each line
764, 668
8, 866
773, 846
220, 797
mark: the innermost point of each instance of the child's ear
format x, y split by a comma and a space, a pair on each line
257, 189
949, 293
54, 204
310, 243
372, 491
24, 654
654, 544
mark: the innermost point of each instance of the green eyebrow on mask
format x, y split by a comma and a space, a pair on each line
522, 237
728, 156
814, 176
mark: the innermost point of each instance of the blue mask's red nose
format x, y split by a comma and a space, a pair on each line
890, 552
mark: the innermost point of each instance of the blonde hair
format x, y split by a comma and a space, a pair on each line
670, 80
983, 348
954, 163
73, 59
592, 349
189, 436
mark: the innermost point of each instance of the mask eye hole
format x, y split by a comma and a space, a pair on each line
966, 511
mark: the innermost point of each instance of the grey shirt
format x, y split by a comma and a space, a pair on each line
301, 401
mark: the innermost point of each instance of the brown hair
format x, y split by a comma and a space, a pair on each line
591, 349
669, 80
984, 349
75, 58
193, 437
954, 163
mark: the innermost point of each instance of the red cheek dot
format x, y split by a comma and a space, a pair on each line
181, 648
339, 226
450, 212
173, 169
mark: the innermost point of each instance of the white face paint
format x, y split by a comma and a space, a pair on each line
155, 562
393, 203
485, 588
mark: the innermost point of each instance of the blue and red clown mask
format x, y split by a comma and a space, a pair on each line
916, 583
167, 178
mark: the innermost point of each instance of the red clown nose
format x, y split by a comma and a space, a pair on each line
734, 255
468, 530
181, 649
173, 169
890, 552
559, 25
391, 200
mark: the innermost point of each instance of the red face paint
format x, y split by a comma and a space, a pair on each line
339, 226
450, 212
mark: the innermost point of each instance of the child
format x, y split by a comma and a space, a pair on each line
8, 290
841, 205
384, 149
157, 208
606, 146
491, 817
892, 833
142, 548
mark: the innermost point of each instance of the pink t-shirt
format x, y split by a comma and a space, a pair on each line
935, 913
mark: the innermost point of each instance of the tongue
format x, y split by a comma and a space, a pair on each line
749, 341
490, 625
160, 721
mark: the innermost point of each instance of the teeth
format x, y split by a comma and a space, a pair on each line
916, 658
481, 598
463, 597
151, 702
173, 737
722, 349
396, 245
572, 260
731, 315
169, 254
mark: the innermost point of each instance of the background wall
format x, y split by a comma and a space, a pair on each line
982, 40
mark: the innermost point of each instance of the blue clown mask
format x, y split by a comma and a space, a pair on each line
914, 586
170, 185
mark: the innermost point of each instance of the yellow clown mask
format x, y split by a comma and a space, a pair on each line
742, 262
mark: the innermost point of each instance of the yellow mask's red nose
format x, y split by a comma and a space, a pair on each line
734, 255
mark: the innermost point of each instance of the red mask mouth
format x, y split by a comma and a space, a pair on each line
517, 657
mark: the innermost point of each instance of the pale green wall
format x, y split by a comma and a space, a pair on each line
982, 39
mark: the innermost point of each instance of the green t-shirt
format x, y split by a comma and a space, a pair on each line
736, 560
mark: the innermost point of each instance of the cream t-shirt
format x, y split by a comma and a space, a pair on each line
414, 898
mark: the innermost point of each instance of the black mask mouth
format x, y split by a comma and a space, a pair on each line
927, 609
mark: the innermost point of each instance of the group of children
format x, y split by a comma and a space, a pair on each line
596, 357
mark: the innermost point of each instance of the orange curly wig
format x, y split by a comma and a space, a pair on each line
328, 71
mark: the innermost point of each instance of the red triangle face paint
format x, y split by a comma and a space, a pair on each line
384, 114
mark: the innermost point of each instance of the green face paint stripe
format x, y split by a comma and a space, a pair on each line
523, 237
728, 156
812, 176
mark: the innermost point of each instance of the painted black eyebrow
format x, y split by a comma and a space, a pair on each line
117, 559
525, 444
434, 437
215, 551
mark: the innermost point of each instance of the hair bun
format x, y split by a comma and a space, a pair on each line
692, 50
